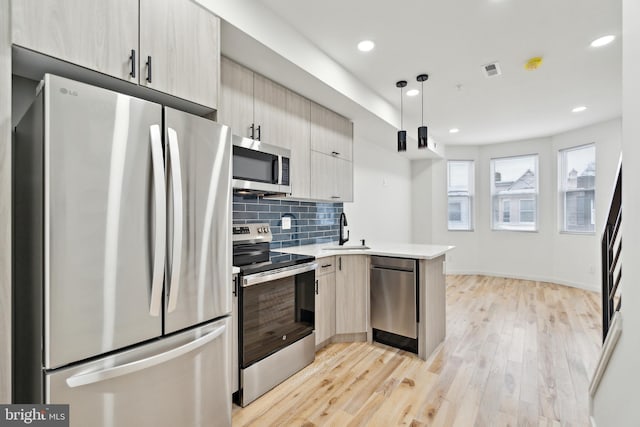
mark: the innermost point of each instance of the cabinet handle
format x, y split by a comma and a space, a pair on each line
316, 287
149, 69
132, 58
235, 286
252, 131
259, 133
335, 197
340, 263
326, 265
335, 153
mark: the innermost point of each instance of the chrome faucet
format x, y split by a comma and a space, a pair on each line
343, 224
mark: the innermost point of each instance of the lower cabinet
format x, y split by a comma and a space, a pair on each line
325, 318
352, 294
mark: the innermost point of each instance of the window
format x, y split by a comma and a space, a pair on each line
460, 192
577, 176
527, 210
514, 193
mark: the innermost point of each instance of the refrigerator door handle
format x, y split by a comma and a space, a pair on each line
160, 220
79, 380
176, 178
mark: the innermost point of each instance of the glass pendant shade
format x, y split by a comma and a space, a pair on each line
402, 140
422, 137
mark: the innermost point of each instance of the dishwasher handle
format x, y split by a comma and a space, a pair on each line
393, 263
406, 270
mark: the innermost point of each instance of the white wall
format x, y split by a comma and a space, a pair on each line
381, 210
547, 254
616, 400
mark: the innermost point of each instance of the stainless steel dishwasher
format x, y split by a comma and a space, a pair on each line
394, 302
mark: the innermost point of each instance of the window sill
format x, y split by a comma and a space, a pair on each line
512, 230
578, 233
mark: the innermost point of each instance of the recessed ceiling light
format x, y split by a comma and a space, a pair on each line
579, 109
603, 41
454, 130
413, 92
366, 45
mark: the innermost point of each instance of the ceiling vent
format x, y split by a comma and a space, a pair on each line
491, 70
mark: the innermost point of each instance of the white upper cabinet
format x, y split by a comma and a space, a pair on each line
98, 35
180, 50
117, 38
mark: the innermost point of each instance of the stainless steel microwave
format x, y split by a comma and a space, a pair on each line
259, 167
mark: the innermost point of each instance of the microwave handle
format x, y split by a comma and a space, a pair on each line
275, 170
280, 162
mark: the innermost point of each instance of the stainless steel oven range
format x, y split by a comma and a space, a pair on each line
276, 311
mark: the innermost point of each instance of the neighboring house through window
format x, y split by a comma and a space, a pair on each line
577, 183
514, 193
460, 194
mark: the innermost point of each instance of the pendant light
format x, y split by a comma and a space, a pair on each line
422, 130
402, 134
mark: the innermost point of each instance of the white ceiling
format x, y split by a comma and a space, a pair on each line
451, 40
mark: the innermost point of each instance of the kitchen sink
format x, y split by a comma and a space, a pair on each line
345, 247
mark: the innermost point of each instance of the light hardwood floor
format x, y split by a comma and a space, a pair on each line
517, 353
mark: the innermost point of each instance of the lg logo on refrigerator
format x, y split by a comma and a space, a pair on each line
65, 91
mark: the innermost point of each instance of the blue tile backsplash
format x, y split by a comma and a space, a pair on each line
311, 222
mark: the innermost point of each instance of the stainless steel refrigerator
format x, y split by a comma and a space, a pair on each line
122, 296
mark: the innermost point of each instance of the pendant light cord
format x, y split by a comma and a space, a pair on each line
401, 114
422, 89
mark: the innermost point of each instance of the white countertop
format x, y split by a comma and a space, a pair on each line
402, 250
235, 270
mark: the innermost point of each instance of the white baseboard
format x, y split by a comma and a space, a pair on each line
524, 277
615, 330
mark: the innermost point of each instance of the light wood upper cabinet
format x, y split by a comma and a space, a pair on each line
98, 35
352, 294
182, 40
298, 110
270, 118
331, 133
331, 178
236, 97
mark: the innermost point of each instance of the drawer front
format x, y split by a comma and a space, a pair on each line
326, 266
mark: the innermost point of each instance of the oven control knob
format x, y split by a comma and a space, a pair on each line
259, 229
266, 230
284, 338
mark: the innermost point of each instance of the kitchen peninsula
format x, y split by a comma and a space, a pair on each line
349, 290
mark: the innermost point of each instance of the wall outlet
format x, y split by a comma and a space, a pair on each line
286, 223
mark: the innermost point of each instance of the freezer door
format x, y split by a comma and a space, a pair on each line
198, 167
104, 226
182, 380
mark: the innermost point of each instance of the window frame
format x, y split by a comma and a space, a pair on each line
563, 191
470, 193
514, 225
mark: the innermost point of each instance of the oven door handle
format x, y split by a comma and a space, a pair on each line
268, 276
